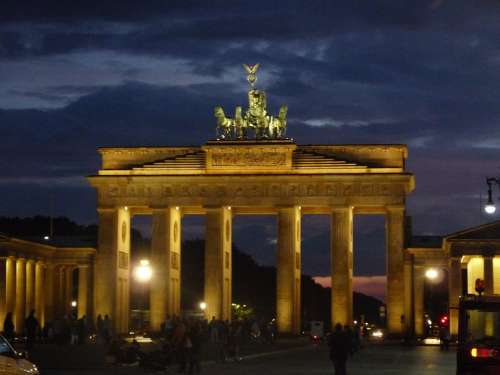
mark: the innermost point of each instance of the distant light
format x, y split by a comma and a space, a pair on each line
378, 333
229, 207
355, 322
143, 272
73, 303
177, 208
429, 322
432, 341
203, 306
126, 208
46, 238
432, 274
490, 209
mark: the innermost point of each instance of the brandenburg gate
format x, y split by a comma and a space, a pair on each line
250, 169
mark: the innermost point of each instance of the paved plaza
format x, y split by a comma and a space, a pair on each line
372, 360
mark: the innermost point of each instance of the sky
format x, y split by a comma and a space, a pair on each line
82, 74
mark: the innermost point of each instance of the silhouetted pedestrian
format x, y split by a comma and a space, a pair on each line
8, 327
339, 349
31, 325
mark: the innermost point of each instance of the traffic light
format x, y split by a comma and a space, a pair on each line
444, 321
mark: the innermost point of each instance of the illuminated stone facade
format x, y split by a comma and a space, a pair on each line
465, 256
40, 276
222, 179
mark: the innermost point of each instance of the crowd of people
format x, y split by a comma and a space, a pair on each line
184, 340
62, 331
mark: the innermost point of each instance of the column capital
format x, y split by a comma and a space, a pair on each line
395, 208
341, 208
30, 261
160, 209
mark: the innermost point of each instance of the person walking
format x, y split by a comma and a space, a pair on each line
8, 327
31, 325
195, 357
339, 349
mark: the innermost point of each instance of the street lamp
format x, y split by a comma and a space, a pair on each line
203, 306
432, 274
143, 273
490, 207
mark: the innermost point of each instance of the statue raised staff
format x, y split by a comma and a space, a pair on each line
264, 125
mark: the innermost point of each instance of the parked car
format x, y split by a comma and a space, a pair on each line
13, 362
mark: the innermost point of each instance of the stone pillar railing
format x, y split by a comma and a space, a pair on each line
454, 290
341, 260
10, 285
20, 294
40, 290
418, 299
218, 263
488, 274
165, 296
3, 289
288, 270
49, 295
112, 267
83, 291
30, 285
396, 320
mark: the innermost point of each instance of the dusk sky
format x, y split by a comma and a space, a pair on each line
76, 75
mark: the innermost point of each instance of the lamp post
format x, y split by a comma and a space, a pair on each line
490, 206
143, 273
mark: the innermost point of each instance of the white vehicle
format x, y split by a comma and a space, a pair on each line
12, 362
317, 330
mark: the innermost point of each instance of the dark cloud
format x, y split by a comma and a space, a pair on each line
83, 74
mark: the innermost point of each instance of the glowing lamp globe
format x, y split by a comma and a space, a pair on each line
143, 271
490, 208
431, 274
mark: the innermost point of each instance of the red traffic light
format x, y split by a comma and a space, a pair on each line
444, 320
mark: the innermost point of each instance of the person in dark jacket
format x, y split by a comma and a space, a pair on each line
31, 325
8, 327
195, 357
339, 349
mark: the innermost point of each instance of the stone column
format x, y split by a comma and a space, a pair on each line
341, 265
10, 289
30, 285
165, 296
418, 293
68, 290
288, 309
396, 321
409, 298
83, 291
112, 267
488, 274
20, 294
61, 291
454, 290
40, 289
3, 289
218, 263
49, 292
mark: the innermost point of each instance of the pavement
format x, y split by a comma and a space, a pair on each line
283, 359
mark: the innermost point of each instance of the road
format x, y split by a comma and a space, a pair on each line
373, 360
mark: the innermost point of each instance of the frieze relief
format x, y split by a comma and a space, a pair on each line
334, 189
248, 159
